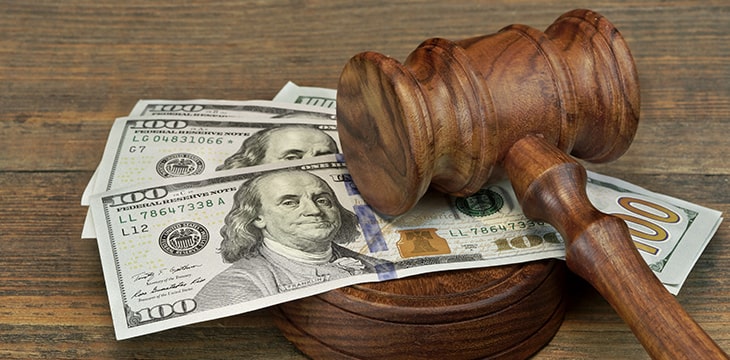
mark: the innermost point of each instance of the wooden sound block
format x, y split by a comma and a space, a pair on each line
500, 312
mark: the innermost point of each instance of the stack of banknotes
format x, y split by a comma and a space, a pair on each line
204, 209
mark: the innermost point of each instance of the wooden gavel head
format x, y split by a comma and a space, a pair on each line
448, 115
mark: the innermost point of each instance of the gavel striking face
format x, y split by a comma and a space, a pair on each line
523, 100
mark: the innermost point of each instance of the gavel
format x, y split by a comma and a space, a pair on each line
455, 113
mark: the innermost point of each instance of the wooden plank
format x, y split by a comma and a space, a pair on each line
67, 69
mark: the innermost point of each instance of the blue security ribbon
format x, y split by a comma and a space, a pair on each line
370, 228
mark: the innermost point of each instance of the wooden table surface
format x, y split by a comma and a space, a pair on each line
68, 68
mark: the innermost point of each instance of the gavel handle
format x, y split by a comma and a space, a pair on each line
550, 186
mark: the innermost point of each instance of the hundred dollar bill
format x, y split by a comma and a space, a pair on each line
196, 249
201, 110
150, 145
198, 109
179, 252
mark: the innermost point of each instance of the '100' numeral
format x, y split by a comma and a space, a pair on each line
647, 220
163, 311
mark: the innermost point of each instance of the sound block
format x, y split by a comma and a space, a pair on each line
508, 311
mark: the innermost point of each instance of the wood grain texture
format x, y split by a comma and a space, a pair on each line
520, 98
550, 186
67, 69
504, 312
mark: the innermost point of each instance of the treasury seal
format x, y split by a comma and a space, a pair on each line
180, 164
483, 203
184, 238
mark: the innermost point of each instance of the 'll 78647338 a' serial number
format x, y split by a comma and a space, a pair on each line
514, 243
497, 228
131, 228
192, 206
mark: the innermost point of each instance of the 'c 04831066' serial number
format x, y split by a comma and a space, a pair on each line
181, 139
